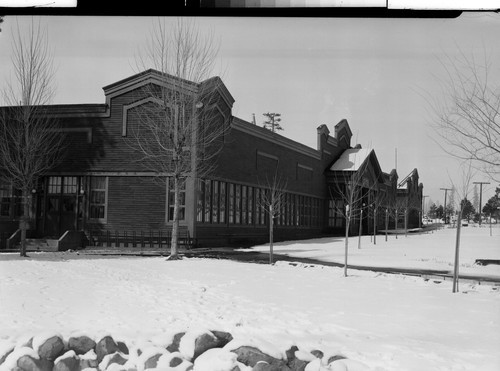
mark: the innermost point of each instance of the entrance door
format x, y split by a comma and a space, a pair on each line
62, 205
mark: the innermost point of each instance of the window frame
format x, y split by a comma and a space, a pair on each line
90, 203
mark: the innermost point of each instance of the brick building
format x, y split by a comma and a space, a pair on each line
99, 185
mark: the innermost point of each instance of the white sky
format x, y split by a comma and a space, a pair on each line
372, 72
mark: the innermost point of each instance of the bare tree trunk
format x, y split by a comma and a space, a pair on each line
386, 223
174, 250
24, 221
457, 250
347, 224
360, 228
271, 233
375, 226
406, 222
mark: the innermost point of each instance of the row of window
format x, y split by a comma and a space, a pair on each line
223, 202
11, 201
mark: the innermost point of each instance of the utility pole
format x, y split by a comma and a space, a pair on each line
480, 199
445, 194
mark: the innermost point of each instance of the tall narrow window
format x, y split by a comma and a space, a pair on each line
237, 202
208, 201
5, 199
200, 188
98, 196
215, 201
244, 204
171, 200
250, 205
231, 203
222, 207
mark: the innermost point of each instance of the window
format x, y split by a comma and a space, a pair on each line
222, 207
208, 201
237, 201
5, 199
215, 201
200, 184
231, 203
98, 196
336, 208
244, 204
250, 205
171, 199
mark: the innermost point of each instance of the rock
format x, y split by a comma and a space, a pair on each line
104, 347
27, 363
110, 359
290, 353
223, 338
152, 361
335, 358
51, 348
69, 362
88, 363
175, 361
264, 366
5, 353
81, 344
122, 347
250, 356
338, 365
203, 343
174, 347
317, 353
297, 365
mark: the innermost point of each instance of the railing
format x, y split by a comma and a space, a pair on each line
150, 239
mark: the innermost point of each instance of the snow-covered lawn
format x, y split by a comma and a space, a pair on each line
388, 322
422, 251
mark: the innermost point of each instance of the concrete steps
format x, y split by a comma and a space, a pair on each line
42, 244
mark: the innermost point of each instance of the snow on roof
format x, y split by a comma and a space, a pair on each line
351, 159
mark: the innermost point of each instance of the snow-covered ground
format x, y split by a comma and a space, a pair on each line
421, 251
388, 322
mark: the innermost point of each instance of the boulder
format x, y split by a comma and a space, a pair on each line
122, 347
27, 363
174, 346
104, 347
88, 360
81, 344
290, 353
223, 338
51, 348
335, 358
68, 362
175, 361
110, 359
297, 365
203, 343
152, 361
5, 353
317, 353
250, 356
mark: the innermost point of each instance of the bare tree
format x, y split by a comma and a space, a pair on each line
464, 190
179, 128
272, 199
30, 142
348, 200
468, 120
377, 202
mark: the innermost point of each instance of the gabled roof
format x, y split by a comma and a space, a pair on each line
351, 159
160, 78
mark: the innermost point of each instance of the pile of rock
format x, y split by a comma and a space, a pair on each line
200, 351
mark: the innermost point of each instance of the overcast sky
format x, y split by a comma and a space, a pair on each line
372, 72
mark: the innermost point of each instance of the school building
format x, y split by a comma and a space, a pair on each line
100, 189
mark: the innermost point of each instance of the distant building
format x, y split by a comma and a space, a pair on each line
100, 186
